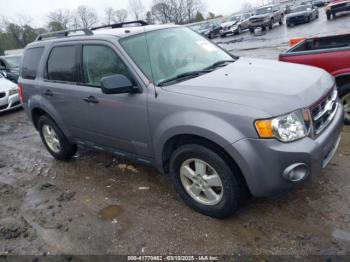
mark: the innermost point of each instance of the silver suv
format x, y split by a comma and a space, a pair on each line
223, 127
266, 16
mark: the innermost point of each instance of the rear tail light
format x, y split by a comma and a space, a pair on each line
20, 92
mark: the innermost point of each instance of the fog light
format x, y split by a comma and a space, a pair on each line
296, 173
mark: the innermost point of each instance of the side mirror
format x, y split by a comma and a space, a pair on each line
117, 84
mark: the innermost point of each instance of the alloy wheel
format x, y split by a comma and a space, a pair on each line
51, 138
346, 102
201, 182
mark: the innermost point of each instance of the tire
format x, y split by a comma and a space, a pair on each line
251, 30
308, 19
263, 28
344, 95
211, 36
271, 23
223, 35
65, 150
328, 16
233, 190
281, 21
239, 30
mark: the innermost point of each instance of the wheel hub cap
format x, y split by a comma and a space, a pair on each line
201, 182
51, 138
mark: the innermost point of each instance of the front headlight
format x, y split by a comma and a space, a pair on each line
286, 128
13, 91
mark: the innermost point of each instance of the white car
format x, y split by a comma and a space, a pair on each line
9, 97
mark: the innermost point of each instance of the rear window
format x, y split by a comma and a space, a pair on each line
31, 62
62, 64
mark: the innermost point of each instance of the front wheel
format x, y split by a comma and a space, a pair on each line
281, 21
54, 140
271, 24
328, 16
251, 30
344, 94
239, 30
205, 182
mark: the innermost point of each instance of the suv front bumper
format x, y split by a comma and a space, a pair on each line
263, 162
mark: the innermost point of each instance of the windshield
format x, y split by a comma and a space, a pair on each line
234, 18
302, 8
264, 10
172, 52
206, 26
13, 61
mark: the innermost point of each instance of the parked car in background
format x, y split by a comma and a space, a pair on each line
319, 3
10, 66
331, 53
210, 30
266, 16
235, 24
221, 126
337, 6
301, 14
9, 97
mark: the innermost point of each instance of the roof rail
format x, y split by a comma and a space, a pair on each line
120, 25
65, 33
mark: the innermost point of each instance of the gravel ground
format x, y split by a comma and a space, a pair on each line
98, 204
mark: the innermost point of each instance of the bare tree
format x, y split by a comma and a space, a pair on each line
136, 8
109, 15
59, 20
85, 17
247, 7
120, 15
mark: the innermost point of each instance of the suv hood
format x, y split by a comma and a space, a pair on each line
273, 87
297, 14
230, 23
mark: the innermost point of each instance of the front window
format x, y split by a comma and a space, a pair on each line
235, 18
14, 61
262, 11
302, 8
165, 54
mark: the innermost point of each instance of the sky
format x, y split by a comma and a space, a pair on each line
38, 9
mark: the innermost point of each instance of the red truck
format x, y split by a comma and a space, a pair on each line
331, 53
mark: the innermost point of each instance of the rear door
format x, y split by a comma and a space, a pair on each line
60, 87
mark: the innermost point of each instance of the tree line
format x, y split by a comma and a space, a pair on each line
16, 34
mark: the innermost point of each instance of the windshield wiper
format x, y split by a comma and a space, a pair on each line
219, 63
183, 76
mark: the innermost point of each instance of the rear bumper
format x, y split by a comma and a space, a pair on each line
9, 102
264, 162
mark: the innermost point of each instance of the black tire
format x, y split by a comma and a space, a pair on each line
239, 30
223, 35
328, 16
251, 30
67, 150
211, 36
263, 28
271, 23
345, 91
234, 191
281, 21
308, 19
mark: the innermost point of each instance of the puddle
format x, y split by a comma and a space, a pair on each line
111, 212
341, 235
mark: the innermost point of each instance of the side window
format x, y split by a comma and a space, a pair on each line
100, 61
62, 65
31, 60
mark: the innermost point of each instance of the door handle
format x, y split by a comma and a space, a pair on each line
48, 92
91, 100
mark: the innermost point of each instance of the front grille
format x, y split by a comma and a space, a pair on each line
15, 104
2, 94
323, 112
3, 107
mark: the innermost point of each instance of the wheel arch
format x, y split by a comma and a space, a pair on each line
184, 139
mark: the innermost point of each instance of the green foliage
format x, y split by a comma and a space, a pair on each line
199, 17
